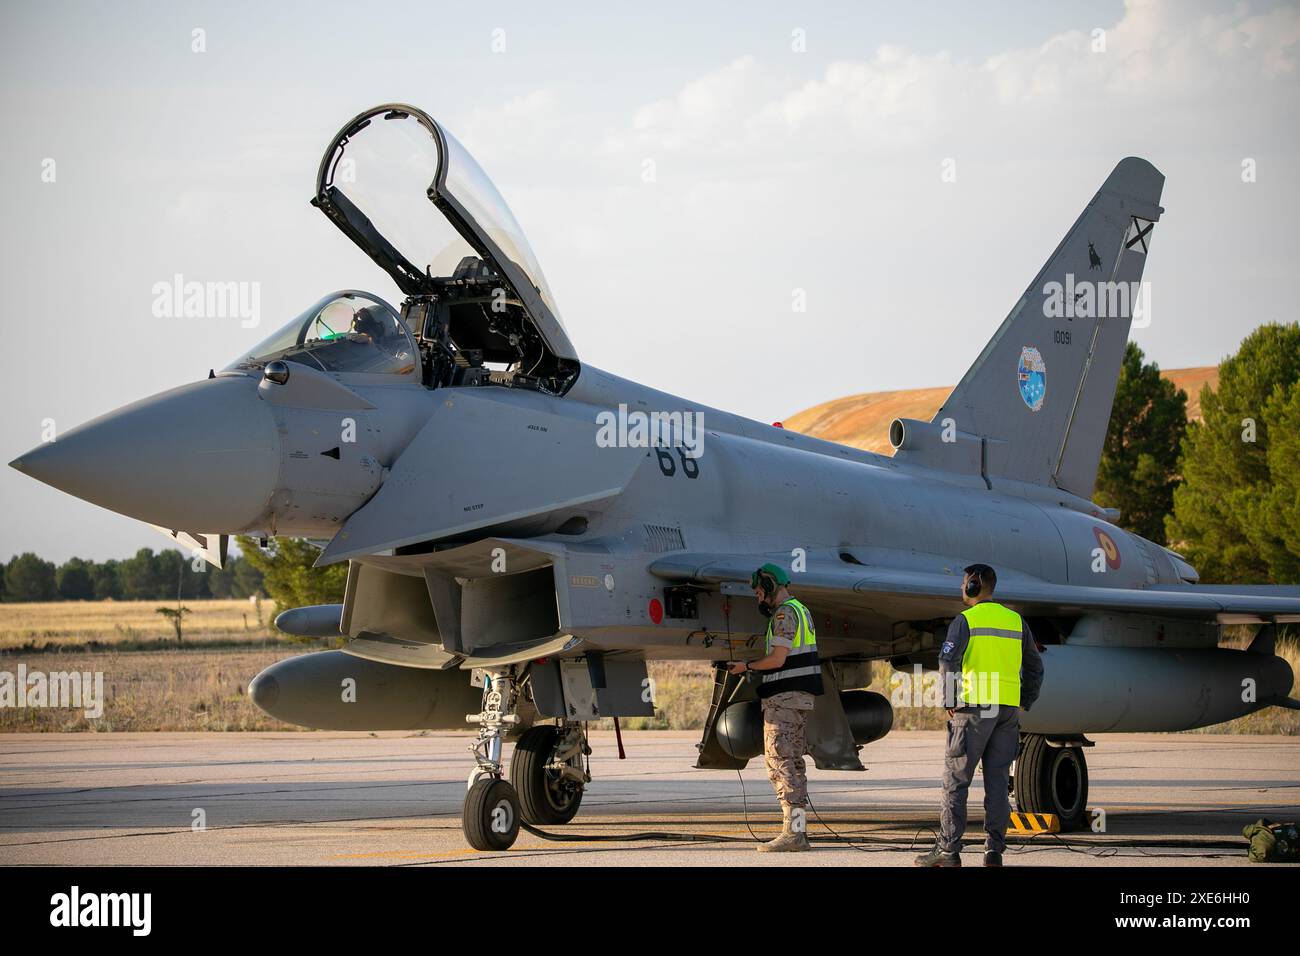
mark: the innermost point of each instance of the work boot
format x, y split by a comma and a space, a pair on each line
939, 857
992, 858
790, 840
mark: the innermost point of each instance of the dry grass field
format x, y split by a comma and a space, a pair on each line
65, 625
150, 682
183, 690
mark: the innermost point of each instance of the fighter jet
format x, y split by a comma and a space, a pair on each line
525, 531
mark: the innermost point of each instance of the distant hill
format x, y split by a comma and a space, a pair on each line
862, 421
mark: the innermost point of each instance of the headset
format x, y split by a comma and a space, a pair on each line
974, 575
765, 581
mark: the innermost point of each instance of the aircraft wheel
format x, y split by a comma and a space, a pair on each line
545, 796
491, 815
1052, 780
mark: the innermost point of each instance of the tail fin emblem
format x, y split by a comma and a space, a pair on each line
1138, 231
1094, 260
1031, 375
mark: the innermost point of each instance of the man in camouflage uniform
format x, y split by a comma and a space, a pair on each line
789, 678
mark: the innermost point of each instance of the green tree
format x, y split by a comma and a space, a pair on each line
28, 578
1229, 516
1283, 415
288, 576
177, 576
140, 577
1139, 460
220, 580
246, 578
176, 615
107, 586
171, 569
75, 581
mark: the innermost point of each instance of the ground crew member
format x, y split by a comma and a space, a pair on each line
991, 649
790, 676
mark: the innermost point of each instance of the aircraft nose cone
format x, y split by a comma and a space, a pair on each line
203, 457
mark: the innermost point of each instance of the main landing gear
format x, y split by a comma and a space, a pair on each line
1052, 777
547, 772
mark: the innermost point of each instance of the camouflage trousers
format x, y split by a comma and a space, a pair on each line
785, 741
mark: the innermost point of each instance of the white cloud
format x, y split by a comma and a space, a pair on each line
1172, 56
769, 181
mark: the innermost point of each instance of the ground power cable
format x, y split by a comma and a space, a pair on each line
1054, 841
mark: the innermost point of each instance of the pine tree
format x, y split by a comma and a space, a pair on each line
1139, 461
1231, 517
288, 575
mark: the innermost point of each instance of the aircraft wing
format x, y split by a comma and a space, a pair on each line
922, 594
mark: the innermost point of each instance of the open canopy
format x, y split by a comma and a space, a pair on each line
410, 195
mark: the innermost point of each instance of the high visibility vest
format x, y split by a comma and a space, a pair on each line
990, 668
802, 669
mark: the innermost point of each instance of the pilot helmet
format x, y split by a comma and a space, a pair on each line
369, 320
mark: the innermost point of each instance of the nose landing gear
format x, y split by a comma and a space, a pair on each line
491, 815
548, 771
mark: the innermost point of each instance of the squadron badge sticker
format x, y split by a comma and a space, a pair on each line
1032, 376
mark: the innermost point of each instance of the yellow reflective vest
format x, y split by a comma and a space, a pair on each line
990, 668
802, 669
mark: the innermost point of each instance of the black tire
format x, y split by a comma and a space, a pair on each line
491, 815
544, 798
1052, 780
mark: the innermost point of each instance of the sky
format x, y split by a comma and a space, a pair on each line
744, 205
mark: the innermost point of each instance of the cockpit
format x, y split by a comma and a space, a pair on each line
349, 331
478, 310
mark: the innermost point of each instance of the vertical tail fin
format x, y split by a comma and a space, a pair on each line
1041, 390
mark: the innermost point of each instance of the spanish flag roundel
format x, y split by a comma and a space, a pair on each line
1109, 548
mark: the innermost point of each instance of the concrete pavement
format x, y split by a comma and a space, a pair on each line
395, 799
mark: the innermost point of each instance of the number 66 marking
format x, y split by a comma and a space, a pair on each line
690, 466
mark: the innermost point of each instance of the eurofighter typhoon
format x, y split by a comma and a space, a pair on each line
525, 531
